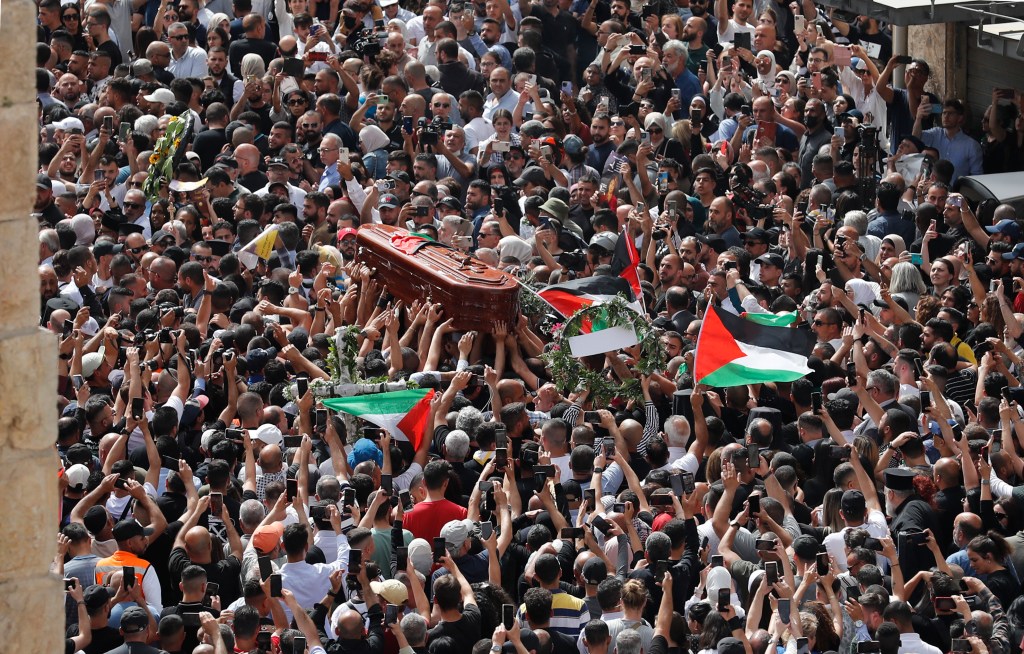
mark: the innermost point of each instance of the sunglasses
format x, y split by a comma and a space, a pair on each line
138, 250
71, 17
296, 103
201, 258
655, 130
818, 323
134, 184
132, 205
180, 37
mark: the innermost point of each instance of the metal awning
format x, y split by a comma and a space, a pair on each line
1003, 39
927, 12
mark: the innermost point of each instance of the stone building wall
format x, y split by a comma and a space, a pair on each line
31, 599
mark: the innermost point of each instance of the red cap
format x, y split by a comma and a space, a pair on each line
347, 231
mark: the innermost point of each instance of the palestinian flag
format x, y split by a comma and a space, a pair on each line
626, 260
403, 413
575, 294
733, 351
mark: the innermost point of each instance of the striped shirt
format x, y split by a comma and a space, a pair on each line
569, 614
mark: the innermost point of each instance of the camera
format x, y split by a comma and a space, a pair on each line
575, 261
750, 199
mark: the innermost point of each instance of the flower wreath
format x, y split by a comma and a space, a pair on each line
569, 372
166, 155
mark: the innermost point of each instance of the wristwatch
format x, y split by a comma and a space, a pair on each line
495, 648
292, 290
598, 470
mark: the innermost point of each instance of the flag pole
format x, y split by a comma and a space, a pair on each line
527, 287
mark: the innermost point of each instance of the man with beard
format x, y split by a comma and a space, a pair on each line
729, 27
699, 9
600, 130
693, 37
817, 135
44, 204
69, 90
314, 213
229, 85
721, 216
308, 134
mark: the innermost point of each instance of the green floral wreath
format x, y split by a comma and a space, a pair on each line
568, 372
161, 162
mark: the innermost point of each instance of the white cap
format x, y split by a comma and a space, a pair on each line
269, 434
77, 476
69, 123
387, 3
161, 96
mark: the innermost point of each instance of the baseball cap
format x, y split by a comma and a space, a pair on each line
771, 259
160, 96
604, 240
226, 160
756, 234
365, 450
856, 63
69, 123
346, 232
134, 619
532, 128
850, 113
853, 503
277, 161
451, 202
95, 519
389, 201
141, 67
77, 476
44, 181
594, 571
96, 596
456, 532
895, 298
391, 590
1006, 226
531, 175
266, 538
160, 235
1016, 253
269, 434
103, 248
400, 176
573, 144
728, 645
387, 3
130, 528
92, 361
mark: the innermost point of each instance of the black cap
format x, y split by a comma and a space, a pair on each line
277, 161
900, 479
400, 176
127, 229
853, 504
134, 619
104, 248
130, 528
532, 175
594, 571
716, 243
96, 596
756, 234
112, 221
771, 259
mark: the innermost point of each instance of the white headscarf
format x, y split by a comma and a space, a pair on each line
372, 138
513, 246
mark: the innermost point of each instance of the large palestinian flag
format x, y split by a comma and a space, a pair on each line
733, 351
575, 294
403, 413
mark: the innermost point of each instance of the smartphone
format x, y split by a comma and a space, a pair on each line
121, 483
275, 585
677, 485
190, 620
348, 497
70, 583
266, 568
292, 441
355, 561
301, 386
500, 437
609, 447
390, 616
936, 108
822, 563
801, 646
754, 502
318, 512
926, 401
954, 201
590, 496
77, 381
321, 418
918, 367
753, 456
853, 592
440, 549
869, 646
771, 571
508, 615
723, 599
263, 640
128, 576
234, 435
816, 402
689, 486
69, 326
216, 503
401, 558
600, 524
124, 131
592, 417
570, 533
567, 88
486, 529
960, 645
717, 561
299, 642
386, 484
619, 507
292, 486
784, 610
764, 545
637, 49
108, 124
211, 590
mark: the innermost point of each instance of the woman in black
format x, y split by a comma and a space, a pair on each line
987, 554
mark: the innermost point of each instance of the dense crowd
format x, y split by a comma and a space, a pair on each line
761, 158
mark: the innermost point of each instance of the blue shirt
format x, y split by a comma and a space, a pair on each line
330, 177
689, 86
961, 150
893, 223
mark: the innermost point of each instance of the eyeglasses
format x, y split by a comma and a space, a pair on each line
1001, 516
296, 103
325, 149
138, 250
71, 17
132, 205
179, 37
201, 258
618, 123
134, 184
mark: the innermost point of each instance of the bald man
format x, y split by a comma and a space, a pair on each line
949, 500
249, 175
194, 546
965, 527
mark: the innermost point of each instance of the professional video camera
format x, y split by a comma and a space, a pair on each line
433, 130
750, 199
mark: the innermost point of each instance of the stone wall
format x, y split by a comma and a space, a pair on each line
944, 47
31, 600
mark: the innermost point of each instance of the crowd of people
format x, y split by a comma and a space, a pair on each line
761, 157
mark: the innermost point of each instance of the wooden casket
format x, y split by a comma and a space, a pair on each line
474, 294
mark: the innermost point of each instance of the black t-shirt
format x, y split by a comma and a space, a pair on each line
465, 631
208, 144
104, 639
113, 51
253, 181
